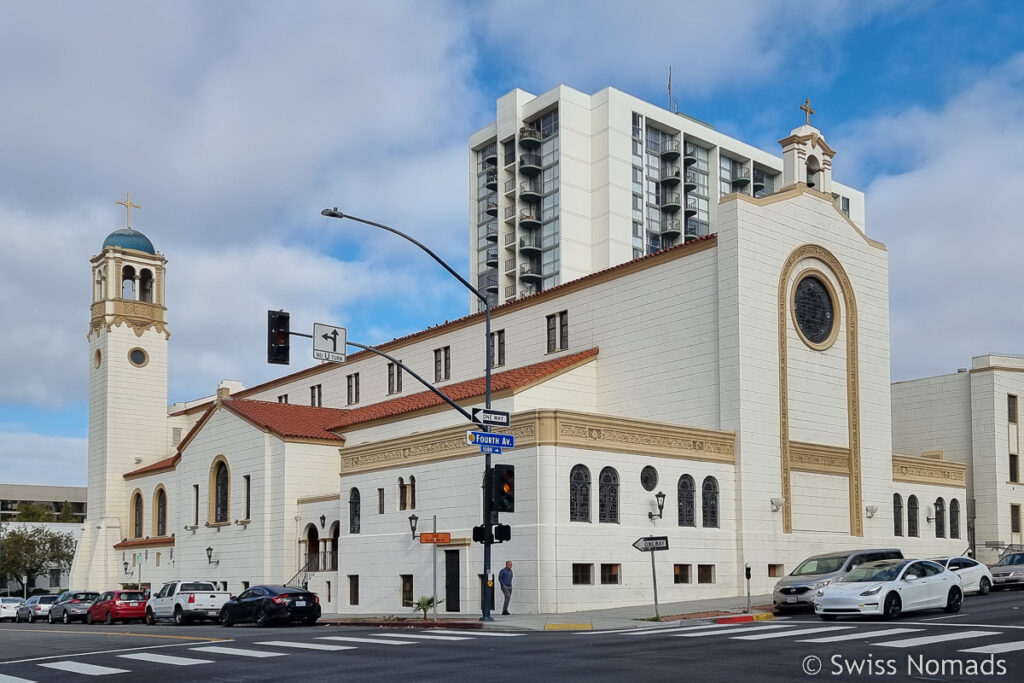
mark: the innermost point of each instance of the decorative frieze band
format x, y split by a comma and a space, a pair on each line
819, 458
916, 470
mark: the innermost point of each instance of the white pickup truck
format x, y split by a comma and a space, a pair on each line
185, 601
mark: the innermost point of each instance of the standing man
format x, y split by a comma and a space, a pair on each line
505, 581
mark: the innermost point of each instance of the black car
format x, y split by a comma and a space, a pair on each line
265, 605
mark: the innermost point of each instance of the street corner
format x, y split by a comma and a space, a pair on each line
741, 618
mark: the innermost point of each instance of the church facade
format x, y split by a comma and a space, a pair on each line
731, 393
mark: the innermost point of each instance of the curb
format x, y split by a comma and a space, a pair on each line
408, 623
741, 618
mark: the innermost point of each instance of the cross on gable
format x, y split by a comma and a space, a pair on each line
127, 204
806, 109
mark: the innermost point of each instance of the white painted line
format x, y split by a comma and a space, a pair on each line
304, 646
498, 634
165, 659
424, 636
86, 669
861, 636
998, 648
14, 679
928, 640
787, 634
217, 650
378, 641
120, 649
679, 629
741, 629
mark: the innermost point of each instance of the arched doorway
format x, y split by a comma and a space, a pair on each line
335, 533
312, 549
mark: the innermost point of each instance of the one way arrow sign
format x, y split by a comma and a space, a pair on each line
650, 543
329, 343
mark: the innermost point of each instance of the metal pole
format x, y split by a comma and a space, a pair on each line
654, 576
434, 546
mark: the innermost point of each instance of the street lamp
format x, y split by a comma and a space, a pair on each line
660, 497
334, 213
125, 568
323, 521
209, 557
413, 520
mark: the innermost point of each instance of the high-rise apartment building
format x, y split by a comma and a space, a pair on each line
565, 184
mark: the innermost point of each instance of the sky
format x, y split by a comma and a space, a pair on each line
234, 123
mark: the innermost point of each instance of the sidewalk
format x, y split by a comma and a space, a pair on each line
596, 620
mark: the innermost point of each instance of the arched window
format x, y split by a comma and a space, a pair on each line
687, 503
608, 495
709, 502
146, 285
353, 511
137, 515
128, 283
312, 549
412, 493
221, 493
402, 493
954, 518
579, 494
912, 516
940, 518
161, 512
897, 514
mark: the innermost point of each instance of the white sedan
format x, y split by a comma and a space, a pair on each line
890, 587
9, 608
974, 576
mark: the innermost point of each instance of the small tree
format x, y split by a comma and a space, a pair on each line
29, 551
67, 513
34, 512
424, 604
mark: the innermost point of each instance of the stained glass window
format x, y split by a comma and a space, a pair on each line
687, 503
912, 516
709, 503
608, 495
897, 514
353, 511
954, 518
579, 494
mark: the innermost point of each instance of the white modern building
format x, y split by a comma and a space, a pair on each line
739, 373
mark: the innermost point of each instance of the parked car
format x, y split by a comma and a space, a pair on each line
119, 605
1009, 571
36, 607
799, 587
185, 601
264, 605
71, 606
9, 607
974, 576
889, 588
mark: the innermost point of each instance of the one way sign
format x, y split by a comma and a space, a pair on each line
329, 343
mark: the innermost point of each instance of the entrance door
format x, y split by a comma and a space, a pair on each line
451, 581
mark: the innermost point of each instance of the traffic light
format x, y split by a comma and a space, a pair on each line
278, 329
502, 532
504, 488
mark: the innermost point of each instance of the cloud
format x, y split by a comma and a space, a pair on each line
27, 458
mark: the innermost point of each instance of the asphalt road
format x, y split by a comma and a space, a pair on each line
985, 641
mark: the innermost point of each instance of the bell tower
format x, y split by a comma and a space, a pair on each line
127, 390
806, 157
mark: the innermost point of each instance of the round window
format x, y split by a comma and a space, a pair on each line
649, 478
97, 358
138, 357
814, 310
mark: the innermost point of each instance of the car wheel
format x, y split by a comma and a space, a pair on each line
984, 586
108, 620
88, 618
226, 620
893, 606
828, 617
66, 618
262, 620
179, 617
31, 618
49, 617
954, 601
150, 619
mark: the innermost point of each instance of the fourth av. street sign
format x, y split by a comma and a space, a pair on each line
650, 543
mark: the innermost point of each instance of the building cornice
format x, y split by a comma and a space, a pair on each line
917, 470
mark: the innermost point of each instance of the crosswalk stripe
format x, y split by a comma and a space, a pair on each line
739, 629
674, 629
86, 669
218, 650
14, 679
941, 638
788, 634
165, 659
477, 633
998, 648
424, 636
378, 641
304, 646
860, 636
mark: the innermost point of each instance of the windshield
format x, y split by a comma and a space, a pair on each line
131, 596
46, 599
196, 587
820, 565
878, 572
83, 596
1015, 558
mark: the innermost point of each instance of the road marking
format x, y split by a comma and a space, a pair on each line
14, 679
998, 648
787, 634
90, 632
740, 629
477, 633
424, 636
217, 650
677, 629
86, 669
306, 646
661, 628
110, 652
165, 659
927, 640
378, 641
861, 636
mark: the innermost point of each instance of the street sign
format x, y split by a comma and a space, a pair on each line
436, 537
328, 343
650, 543
493, 450
484, 416
490, 439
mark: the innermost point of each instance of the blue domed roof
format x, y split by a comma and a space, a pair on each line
126, 238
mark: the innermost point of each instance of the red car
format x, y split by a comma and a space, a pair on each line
117, 605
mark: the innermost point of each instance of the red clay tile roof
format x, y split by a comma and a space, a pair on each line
145, 542
509, 380
288, 420
166, 463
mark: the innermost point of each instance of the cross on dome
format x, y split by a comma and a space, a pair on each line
127, 204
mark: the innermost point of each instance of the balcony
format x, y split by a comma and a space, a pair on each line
491, 284
690, 155
691, 181
490, 230
671, 228
741, 178
510, 265
510, 187
529, 245
491, 206
670, 201
529, 272
491, 155
510, 292
529, 164
491, 179
670, 176
529, 192
694, 230
529, 219
492, 258
691, 207
670, 149
510, 240
759, 182
510, 214
530, 138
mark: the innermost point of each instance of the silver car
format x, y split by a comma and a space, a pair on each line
71, 606
798, 589
36, 607
1009, 571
